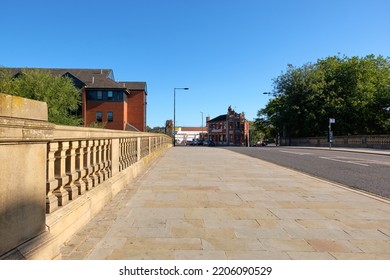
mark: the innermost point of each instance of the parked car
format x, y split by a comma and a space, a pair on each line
189, 143
262, 143
208, 143
200, 142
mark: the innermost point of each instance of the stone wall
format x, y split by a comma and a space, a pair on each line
54, 179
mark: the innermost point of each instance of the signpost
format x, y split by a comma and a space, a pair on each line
330, 135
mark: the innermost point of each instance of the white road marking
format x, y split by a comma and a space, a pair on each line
345, 161
295, 153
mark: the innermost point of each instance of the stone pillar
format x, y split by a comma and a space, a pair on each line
24, 134
51, 183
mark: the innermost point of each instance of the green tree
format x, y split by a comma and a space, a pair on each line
355, 91
62, 97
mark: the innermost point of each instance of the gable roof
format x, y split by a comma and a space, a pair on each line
220, 118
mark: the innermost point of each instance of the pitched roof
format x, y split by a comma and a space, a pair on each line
92, 78
134, 85
220, 118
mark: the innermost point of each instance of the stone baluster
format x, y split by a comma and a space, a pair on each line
108, 145
129, 151
120, 154
88, 167
80, 167
93, 167
51, 182
139, 147
97, 155
103, 163
60, 174
133, 150
73, 175
125, 153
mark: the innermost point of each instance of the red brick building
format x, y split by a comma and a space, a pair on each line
117, 105
231, 129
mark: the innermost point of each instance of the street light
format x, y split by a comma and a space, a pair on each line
277, 140
174, 113
202, 123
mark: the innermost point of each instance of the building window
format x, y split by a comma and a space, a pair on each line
99, 94
99, 116
110, 94
110, 116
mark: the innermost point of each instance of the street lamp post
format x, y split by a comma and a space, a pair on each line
202, 123
174, 113
277, 140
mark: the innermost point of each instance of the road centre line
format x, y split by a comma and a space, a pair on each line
295, 153
345, 161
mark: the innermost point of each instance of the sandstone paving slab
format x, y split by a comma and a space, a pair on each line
204, 233
185, 223
210, 203
361, 256
367, 234
257, 255
283, 245
200, 255
233, 223
372, 246
331, 246
293, 213
298, 255
143, 254
224, 244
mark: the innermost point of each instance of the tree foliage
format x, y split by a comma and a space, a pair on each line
353, 90
61, 96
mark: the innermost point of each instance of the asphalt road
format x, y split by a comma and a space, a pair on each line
367, 172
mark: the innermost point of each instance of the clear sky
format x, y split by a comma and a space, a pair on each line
226, 51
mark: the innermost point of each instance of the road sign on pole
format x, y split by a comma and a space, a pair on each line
330, 135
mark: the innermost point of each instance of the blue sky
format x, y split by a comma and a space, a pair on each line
226, 51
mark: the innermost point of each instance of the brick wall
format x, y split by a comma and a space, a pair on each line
136, 109
117, 108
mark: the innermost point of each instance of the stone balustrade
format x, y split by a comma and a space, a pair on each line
357, 141
54, 179
76, 166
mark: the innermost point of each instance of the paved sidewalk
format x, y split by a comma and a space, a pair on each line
211, 203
